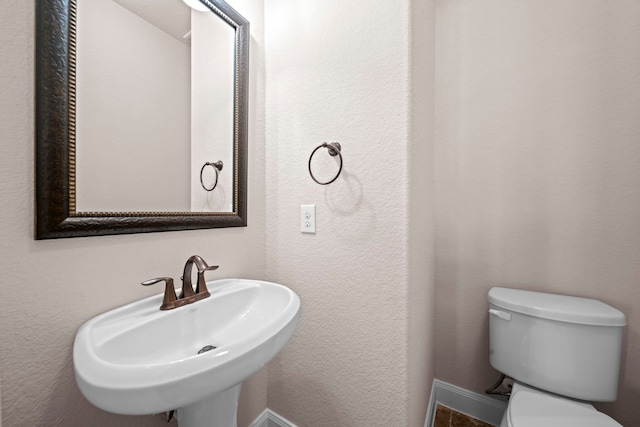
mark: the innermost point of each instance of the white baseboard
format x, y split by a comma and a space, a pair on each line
268, 418
484, 408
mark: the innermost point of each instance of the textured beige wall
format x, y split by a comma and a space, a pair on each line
537, 169
49, 288
420, 342
341, 71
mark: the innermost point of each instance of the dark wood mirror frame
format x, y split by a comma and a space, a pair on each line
55, 212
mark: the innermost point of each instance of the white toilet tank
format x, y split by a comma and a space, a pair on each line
566, 345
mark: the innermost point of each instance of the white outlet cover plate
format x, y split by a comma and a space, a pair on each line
308, 218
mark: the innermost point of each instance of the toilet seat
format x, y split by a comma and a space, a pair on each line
529, 408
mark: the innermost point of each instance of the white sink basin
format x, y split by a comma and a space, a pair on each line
138, 360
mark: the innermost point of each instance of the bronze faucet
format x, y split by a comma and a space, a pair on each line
201, 286
187, 295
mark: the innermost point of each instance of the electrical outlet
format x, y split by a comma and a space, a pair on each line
308, 218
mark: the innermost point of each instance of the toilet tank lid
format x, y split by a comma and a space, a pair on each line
561, 308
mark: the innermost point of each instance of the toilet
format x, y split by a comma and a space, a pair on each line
562, 353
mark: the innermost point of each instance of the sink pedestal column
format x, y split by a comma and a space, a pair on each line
219, 410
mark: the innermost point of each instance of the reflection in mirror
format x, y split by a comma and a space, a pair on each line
133, 98
154, 103
211, 110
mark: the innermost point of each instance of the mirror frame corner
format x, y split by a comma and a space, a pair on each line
55, 215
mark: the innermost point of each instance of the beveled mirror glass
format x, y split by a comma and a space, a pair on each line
141, 117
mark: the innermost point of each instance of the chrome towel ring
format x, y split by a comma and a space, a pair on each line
334, 149
217, 167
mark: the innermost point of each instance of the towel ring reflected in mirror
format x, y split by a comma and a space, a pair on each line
217, 167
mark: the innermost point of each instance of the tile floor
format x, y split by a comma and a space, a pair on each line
447, 417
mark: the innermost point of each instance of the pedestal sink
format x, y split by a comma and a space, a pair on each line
138, 360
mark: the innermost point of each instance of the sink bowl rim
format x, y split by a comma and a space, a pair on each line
94, 374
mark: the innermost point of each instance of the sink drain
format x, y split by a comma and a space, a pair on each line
207, 348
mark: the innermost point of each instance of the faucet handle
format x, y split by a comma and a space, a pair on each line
170, 300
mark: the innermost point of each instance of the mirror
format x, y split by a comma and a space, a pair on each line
142, 129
